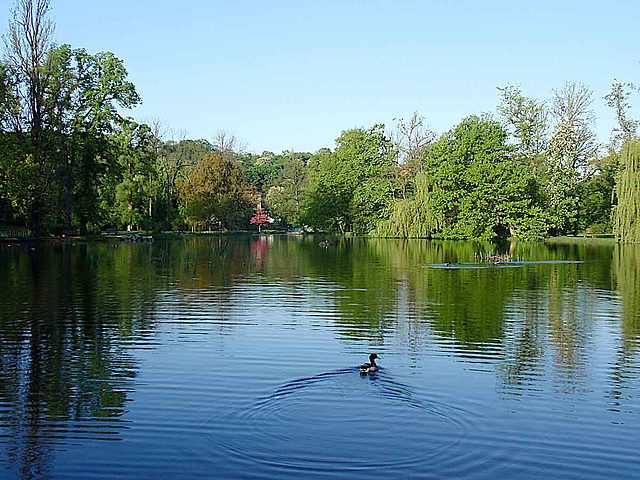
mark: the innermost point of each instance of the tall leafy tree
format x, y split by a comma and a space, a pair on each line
477, 190
618, 99
574, 141
28, 44
527, 120
351, 188
216, 194
86, 91
134, 147
285, 197
627, 213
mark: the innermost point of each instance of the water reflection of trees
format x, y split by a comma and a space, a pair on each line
66, 314
69, 314
626, 268
535, 323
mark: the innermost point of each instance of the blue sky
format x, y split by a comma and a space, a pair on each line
294, 74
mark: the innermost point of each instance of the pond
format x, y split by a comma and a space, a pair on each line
237, 357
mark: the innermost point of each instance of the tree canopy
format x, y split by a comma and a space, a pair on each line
72, 159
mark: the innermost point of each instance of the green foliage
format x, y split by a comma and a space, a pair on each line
560, 198
477, 190
263, 172
132, 192
17, 172
63, 106
626, 222
618, 99
69, 159
173, 161
216, 194
574, 140
527, 120
285, 197
626, 269
413, 217
596, 196
352, 188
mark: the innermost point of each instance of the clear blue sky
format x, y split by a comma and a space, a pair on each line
294, 74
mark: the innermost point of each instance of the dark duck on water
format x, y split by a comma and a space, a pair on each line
369, 367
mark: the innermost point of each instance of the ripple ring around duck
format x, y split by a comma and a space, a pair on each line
346, 424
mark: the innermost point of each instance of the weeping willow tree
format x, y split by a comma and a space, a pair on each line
627, 214
411, 218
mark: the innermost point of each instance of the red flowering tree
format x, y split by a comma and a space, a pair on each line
260, 218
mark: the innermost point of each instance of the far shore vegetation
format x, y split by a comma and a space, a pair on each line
72, 164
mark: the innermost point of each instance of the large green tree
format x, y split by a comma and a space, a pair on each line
64, 106
285, 197
352, 188
477, 190
627, 213
173, 163
86, 91
216, 194
527, 121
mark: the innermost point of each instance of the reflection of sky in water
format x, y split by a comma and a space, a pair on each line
178, 361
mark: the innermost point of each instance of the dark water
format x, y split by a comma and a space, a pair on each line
236, 358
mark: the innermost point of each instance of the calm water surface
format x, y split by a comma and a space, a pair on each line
237, 358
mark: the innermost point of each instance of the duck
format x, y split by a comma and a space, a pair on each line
369, 367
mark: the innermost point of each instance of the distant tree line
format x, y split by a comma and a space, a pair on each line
69, 160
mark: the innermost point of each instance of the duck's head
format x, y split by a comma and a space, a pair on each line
373, 356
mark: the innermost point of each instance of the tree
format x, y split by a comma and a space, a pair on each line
263, 171
227, 143
412, 217
285, 197
134, 144
85, 92
526, 118
475, 189
627, 213
596, 195
574, 141
410, 139
174, 162
64, 107
618, 99
216, 194
352, 188
17, 165
560, 197
260, 218
28, 44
